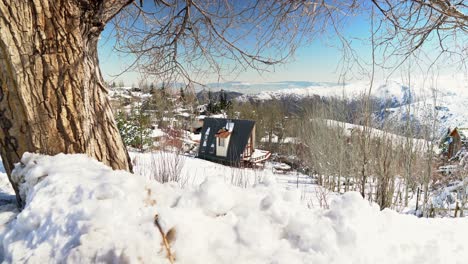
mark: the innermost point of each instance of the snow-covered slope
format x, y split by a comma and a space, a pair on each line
418, 144
392, 92
450, 110
255, 88
80, 211
450, 93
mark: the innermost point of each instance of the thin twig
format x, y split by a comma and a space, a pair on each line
165, 242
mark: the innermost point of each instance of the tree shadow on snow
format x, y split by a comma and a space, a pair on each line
7, 198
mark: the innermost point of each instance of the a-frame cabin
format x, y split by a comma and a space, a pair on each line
230, 141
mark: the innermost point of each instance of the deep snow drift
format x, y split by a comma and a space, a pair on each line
80, 211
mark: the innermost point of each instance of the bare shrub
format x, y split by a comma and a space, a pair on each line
244, 177
166, 166
321, 195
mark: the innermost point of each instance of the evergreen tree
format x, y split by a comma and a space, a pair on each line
163, 90
134, 128
224, 104
222, 100
211, 107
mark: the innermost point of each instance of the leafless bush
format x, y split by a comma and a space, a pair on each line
321, 194
245, 177
239, 178
166, 166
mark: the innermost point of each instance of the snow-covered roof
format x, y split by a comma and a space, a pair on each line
285, 140
281, 166
266, 139
183, 114
218, 116
292, 140
195, 137
259, 153
180, 110
168, 119
155, 133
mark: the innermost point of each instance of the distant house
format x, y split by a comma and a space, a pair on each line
197, 124
230, 141
453, 141
276, 140
201, 109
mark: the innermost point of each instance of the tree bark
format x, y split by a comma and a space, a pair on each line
52, 97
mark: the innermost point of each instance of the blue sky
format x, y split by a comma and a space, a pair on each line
318, 61
315, 62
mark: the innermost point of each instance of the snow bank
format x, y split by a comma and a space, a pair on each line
80, 211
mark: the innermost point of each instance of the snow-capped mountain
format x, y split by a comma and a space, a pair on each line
392, 94
445, 99
449, 111
253, 89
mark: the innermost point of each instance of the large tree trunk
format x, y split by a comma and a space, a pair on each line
52, 96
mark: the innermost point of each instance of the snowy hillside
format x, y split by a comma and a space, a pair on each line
418, 144
450, 110
80, 211
450, 93
394, 92
250, 88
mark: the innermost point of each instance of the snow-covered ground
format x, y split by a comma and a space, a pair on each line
80, 211
195, 171
127, 92
8, 210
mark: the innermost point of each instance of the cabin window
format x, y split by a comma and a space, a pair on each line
221, 142
212, 149
205, 139
229, 126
